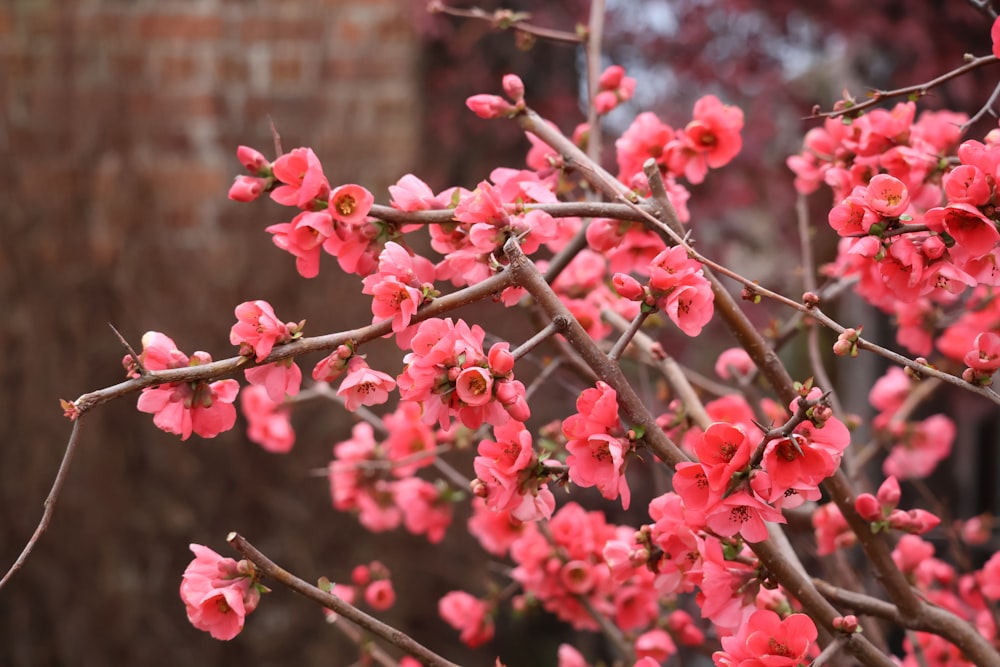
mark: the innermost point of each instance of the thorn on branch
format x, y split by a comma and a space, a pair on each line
136, 361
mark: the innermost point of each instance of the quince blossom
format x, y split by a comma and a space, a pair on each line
183, 408
269, 423
364, 386
218, 592
468, 614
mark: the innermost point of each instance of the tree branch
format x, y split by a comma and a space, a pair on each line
269, 568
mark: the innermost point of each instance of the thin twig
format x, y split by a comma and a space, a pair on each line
131, 352
627, 335
595, 143
503, 19
985, 109
555, 326
919, 90
50, 500
276, 137
268, 568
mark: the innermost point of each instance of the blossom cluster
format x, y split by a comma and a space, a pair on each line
450, 375
917, 230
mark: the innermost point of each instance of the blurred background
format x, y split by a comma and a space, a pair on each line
119, 121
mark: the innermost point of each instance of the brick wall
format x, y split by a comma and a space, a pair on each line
118, 127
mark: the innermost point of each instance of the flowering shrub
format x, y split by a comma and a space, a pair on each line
705, 563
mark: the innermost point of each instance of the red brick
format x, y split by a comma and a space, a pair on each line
189, 180
159, 107
266, 28
229, 70
127, 66
176, 68
287, 70
6, 22
185, 27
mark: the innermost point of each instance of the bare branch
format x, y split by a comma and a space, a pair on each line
269, 568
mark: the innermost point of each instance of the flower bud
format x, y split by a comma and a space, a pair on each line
514, 87
252, 159
500, 359
627, 286
868, 507
490, 106
247, 188
888, 493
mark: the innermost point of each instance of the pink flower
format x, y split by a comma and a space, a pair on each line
887, 195
742, 513
425, 509
269, 423
995, 36
733, 360
469, 615
364, 386
412, 194
474, 386
766, 639
303, 181
506, 470
379, 594
832, 531
570, 657
402, 283
973, 232
656, 644
596, 457
985, 355
350, 204
304, 237
645, 138
183, 408
968, 184
713, 136
724, 450
258, 328
919, 446
279, 379
496, 531
218, 593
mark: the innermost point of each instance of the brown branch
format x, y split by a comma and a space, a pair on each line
527, 276
578, 209
919, 90
504, 19
269, 568
223, 367
50, 501
595, 34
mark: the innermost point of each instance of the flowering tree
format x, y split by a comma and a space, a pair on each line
600, 262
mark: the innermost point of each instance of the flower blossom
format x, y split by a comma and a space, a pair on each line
468, 614
269, 422
218, 592
364, 386
596, 453
402, 283
183, 408
450, 375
